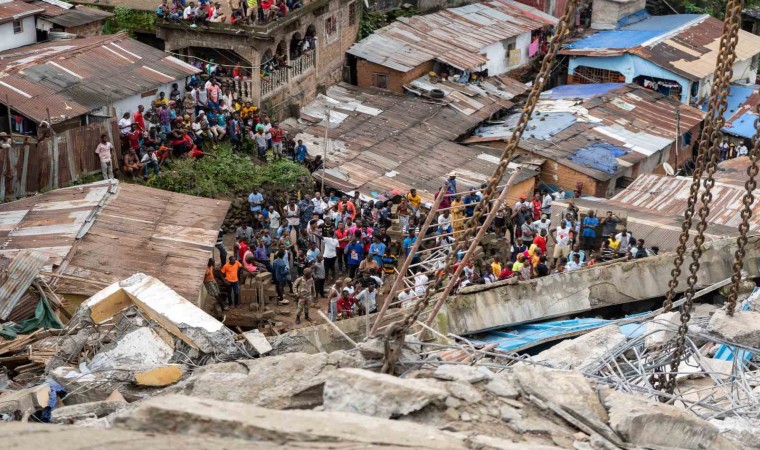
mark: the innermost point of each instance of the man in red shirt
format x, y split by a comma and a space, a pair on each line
540, 241
277, 135
537, 204
243, 248
345, 302
344, 237
134, 137
138, 119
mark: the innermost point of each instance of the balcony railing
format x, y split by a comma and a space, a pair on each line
301, 65
275, 79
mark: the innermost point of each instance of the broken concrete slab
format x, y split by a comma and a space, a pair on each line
160, 376
482, 308
460, 372
483, 442
570, 390
290, 381
194, 416
584, 350
464, 391
142, 349
743, 328
503, 385
743, 431
379, 395
662, 329
651, 424
96, 410
25, 400
258, 341
160, 303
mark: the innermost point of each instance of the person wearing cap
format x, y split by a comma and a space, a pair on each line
305, 292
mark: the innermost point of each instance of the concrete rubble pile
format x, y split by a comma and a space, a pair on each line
138, 365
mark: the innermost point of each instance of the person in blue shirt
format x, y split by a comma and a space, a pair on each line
280, 273
590, 222
299, 153
355, 252
409, 243
377, 250
256, 200
312, 253
470, 201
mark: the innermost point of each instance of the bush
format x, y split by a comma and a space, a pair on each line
228, 174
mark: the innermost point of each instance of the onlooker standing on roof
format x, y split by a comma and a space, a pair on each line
104, 151
588, 233
609, 224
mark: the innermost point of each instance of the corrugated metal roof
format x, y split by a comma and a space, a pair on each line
685, 44
17, 9
71, 78
468, 98
573, 117
17, 278
740, 112
119, 230
392, 143
74, 17
453, 36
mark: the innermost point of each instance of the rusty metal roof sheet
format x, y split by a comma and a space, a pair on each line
167, 235
687, 47
382, 142
16, 279
74, 17
74, 77
17, 9
639, 121
453, 36
119, 230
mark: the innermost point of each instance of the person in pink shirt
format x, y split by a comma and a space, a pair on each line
213, 95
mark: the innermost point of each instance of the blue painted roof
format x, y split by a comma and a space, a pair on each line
736, 98
744, 126
634, 34
580, 90
599, 156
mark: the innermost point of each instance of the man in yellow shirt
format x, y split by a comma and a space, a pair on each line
415, 201
230, 272
496, 266
614, 243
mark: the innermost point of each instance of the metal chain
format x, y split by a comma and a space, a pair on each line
746, 214
708, 147
396, 332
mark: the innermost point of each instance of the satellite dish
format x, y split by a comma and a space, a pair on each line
669, 169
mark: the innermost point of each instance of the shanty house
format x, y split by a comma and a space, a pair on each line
17, 23
596, 138
382, 144
674, 55
62, 17
492, 37
69, 83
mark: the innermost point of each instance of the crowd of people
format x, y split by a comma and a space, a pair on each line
184, 126
343, 242
249, 12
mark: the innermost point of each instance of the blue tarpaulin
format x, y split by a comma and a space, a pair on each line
631, 35
744, 126
736, 98
580, 90
599, 156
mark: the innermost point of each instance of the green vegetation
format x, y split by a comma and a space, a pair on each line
128, 19
715, 8
228, 173
87, 179
372, 21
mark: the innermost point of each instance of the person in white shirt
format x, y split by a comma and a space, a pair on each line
274, 222
189, 12
330, 246
319, 205
561, 237
368, 300
546, 204
420, 283
406, 297
104, 150
125, 125
444, 223
625, 238
742, 150
150, 161
542, 224
574, 264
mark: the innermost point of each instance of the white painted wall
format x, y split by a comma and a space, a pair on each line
498, 58
9, 40
743, 71
130, 104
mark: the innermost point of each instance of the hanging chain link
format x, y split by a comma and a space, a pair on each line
708, 150
746, 214
396, 332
